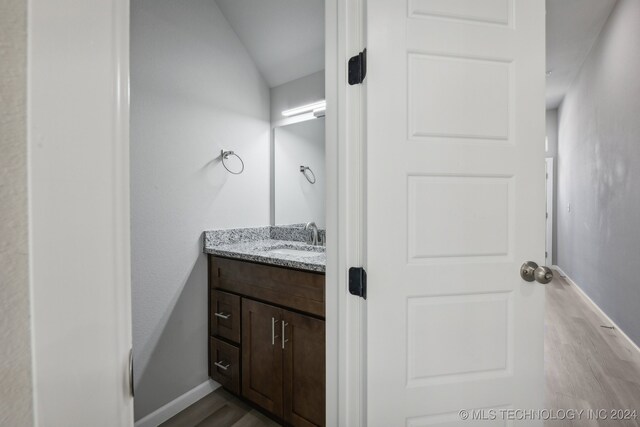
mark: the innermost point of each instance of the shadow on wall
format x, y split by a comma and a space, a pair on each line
169, 364
215, 176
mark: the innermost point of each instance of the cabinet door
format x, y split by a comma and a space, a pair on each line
262, 355
304, 370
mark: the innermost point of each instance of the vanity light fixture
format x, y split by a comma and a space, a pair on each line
316, 106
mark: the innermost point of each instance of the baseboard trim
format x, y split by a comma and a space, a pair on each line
588, 299
180, 403
562, 273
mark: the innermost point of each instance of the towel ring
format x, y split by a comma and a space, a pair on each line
225, 155
304, 170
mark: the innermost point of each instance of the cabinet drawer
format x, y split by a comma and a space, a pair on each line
224, 364
300, 290
225, 315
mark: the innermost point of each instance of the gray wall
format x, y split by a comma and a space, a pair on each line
552, 151
552, 133
599, 172
194, 91
295, 93
16, 397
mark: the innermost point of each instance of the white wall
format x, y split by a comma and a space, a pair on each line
296, 199
552, 151
16, 403
194, 91
552, 133
599, 171
295, 93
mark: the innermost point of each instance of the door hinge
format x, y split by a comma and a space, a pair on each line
358, 282
358, 68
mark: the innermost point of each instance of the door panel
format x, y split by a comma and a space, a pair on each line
304, 370
455, 120
262, 355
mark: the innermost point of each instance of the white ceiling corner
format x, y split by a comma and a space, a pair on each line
573, 26
285, 38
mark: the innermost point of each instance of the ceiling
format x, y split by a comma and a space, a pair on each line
285, 38
572, 28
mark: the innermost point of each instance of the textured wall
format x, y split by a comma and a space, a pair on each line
194, 91
15, 352
599, 172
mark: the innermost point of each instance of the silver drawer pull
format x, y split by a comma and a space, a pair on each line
284, 340
221, 366
222, 315
273, 331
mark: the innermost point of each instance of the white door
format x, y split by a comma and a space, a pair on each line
455, 205
548, 254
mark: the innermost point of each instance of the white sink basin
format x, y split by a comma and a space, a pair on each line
295, 252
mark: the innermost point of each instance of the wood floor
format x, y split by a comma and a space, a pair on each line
586, 366
220, 409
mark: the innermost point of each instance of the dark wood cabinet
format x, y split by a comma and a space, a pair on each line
272, 317
304, 370
299, 290
224, 364
225, 315
262, 355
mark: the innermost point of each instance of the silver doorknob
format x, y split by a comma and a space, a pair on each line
530, 271
527, 271
543, 274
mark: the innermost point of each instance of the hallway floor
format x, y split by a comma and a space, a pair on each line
586, 366
220, 409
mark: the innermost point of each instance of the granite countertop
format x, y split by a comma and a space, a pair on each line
283, 246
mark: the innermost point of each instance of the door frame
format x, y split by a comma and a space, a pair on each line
79, 214
345, 339
345, 140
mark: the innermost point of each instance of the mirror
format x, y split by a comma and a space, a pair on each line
299, 176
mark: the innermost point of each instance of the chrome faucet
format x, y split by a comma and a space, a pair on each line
314, 232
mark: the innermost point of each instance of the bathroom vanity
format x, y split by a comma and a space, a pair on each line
266, 320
